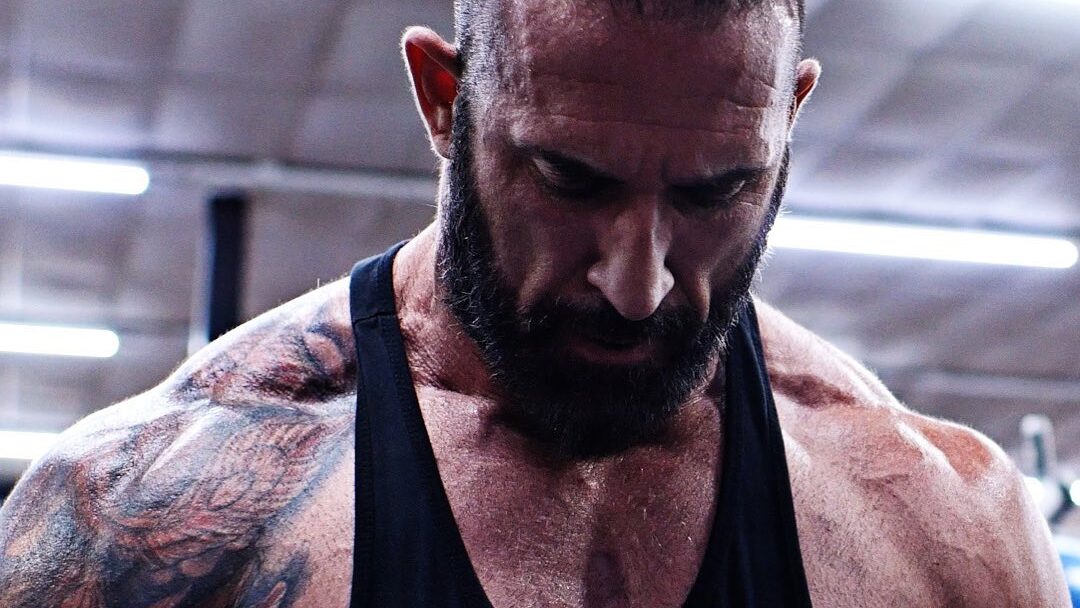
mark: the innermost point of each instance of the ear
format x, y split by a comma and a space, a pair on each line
806, 79
434, 70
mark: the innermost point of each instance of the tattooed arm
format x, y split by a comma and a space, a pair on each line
167, 512
165, 500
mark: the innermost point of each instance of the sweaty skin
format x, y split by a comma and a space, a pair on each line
231, 484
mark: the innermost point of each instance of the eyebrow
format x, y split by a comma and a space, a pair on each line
561, 160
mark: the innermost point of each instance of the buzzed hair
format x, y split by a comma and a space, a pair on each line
697, 8
478, 25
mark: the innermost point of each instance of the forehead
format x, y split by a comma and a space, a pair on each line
581, 64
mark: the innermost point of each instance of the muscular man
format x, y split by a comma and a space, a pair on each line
560, 393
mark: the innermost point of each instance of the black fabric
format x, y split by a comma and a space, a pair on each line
408, 551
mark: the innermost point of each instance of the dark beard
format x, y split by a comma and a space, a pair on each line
580, 409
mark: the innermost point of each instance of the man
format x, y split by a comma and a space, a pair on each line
563, 394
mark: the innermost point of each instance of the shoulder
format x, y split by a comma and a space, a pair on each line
163, 499
943, 499
301, 352
835, 403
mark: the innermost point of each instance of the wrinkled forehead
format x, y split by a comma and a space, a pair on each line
579, 75
747, 54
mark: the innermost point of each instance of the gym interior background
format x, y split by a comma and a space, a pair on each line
281, 146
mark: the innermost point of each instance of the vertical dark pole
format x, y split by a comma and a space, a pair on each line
228, 223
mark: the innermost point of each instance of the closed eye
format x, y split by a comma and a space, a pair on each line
715, 193
569, 178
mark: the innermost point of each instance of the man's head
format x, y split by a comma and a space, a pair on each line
612, 171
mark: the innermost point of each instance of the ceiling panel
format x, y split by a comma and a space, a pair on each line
1043, 122
940, 100
859, 178
910, 25
851, 85
1011, 30
269, 42
111, 36
967, 189
366, 53
161, 263
9, 16
373, 131
1052, 204
84, 110
228, 121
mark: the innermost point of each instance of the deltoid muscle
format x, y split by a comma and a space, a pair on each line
170, 512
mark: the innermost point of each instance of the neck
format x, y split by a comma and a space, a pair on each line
440, 353
442, 357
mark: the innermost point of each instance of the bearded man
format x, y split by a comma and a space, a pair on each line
559, 394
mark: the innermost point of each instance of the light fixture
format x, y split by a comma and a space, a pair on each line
60, 341
897, 240
21, 445
67, 173
1074, 492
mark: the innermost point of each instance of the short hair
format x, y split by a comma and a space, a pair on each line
477, 25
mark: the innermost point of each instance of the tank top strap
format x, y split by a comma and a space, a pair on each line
753, 558
407, 549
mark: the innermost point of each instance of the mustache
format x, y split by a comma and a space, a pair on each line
602, 320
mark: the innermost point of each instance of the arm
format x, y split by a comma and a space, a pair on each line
993, 546
166, 510
1024, 566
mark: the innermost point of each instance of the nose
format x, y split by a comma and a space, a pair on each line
632, 270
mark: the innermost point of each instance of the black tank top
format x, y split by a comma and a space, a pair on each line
408, 550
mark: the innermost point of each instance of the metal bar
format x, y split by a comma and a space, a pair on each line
997, 387
228, 223
276, 177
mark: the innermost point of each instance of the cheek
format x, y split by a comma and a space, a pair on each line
540, 250
708, 252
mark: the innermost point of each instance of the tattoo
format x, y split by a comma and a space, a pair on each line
307, 360
277, 588
172, 511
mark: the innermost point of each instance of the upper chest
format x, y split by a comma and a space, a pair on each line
631, 531
625, 530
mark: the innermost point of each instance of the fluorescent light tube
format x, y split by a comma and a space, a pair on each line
897, 240
60, 341
65, 173
20, 445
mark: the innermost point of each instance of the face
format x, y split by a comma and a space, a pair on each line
605, 211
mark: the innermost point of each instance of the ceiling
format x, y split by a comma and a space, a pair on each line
957, 112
